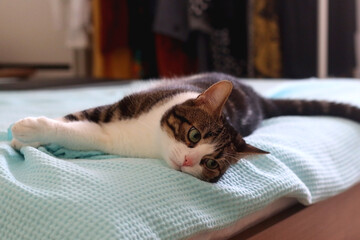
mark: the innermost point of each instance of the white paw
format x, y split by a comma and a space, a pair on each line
29, 130
16, 144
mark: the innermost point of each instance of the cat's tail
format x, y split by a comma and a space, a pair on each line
282, 107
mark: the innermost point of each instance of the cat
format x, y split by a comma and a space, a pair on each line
197, 124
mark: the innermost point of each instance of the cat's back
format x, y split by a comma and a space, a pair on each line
176, 90
181, 89
161, 96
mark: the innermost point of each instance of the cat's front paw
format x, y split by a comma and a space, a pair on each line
29, 130
16, 144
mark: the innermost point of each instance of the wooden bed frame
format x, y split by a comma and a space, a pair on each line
335, 218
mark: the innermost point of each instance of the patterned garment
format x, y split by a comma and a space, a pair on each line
225, 24
265, 52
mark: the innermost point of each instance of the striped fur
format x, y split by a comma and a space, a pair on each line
281, 107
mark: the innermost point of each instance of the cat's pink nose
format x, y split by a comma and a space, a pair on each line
188, 162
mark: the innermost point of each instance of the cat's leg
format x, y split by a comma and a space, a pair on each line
79, 135
18, 145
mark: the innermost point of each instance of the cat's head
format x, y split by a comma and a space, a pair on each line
199, 140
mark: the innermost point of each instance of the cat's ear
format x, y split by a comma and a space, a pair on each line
251, 150
243, 149
214, 98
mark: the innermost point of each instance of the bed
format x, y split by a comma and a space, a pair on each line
56, 193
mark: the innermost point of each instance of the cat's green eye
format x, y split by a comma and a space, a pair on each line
194, 135
211, 164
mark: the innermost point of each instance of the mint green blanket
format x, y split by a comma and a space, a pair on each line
55, 193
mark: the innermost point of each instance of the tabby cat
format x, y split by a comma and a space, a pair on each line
196, 124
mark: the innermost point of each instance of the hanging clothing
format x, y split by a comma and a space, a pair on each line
216, 31
172, 60
342, 27
357, 40
266, 39
112, 57
142, 38
298, 26
113, 24
200, 28
174, 46
225, 23
171, 19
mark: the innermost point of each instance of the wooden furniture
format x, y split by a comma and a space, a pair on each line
335, 218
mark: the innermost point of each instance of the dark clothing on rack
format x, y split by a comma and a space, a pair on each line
298, 26
342, 27
298, 37
171, 19
114, 25
229, 37
257, 38
141, 37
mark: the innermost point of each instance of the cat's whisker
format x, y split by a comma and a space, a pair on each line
231, 156
227, 161
178, 153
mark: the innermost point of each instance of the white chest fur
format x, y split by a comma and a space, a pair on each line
140, 137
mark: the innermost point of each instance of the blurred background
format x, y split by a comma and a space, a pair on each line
69, 41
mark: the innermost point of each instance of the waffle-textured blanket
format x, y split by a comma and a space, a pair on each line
54, 193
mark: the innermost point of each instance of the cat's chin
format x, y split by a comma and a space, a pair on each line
194, 171
173, 164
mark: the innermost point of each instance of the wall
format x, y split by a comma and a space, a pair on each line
28, 35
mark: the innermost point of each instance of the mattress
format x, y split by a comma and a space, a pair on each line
247, 221
52, 192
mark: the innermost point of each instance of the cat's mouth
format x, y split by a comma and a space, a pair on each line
179, 167
174, 164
